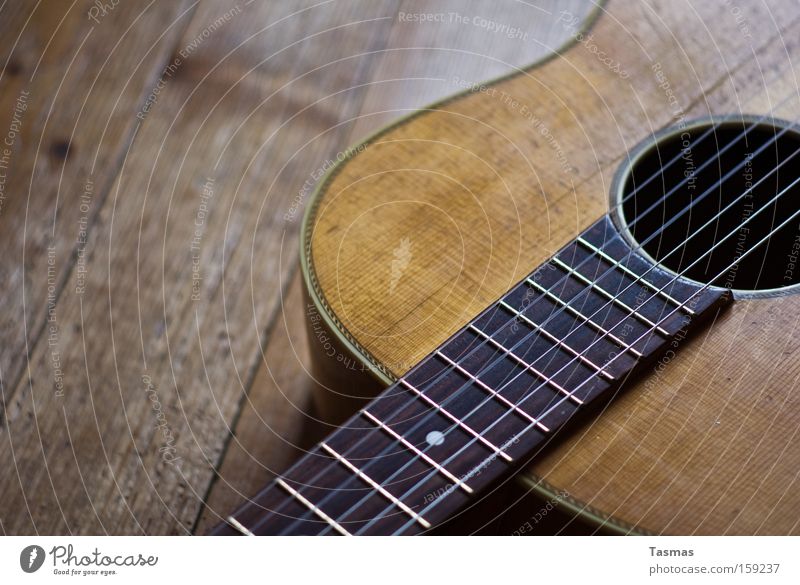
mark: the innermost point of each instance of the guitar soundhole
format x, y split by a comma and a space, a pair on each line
705, 214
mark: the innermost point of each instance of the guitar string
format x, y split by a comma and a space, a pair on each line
487, 461
505, 353
688, 177
592, 377
713, 128
489, 366
616, 263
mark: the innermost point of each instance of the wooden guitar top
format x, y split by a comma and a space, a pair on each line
438, 215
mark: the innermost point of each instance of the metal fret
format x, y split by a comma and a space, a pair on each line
238, 526
333, 523
458, 482
584, 318
433, 465
376, 486
526, 365
457, 420
614, 299
554, 339
495, 394
618, 264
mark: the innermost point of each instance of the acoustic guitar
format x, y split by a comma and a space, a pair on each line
582, 276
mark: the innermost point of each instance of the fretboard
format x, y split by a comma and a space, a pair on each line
489, 398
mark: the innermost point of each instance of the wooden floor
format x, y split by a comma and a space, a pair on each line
155, 161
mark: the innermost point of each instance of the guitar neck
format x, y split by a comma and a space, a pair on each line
489, 398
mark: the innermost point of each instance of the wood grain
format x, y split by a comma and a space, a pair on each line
83, 82
417, 65
485, 187
115, 420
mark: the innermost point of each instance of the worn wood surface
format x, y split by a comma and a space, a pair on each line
161, 140
278, 420
476, 193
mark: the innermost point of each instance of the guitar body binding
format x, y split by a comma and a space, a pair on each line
705, 443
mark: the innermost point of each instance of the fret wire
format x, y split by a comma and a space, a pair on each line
521, 433
614, 299
458, 482
595, 250
313, 507
528, 366
645, 334
598, 327
456, 420
586, 319
494, 393
594, 325
458, 367
631, 251
532, 420
539, 424
674, 159
701, 290
674, 279
233, 522
525, 430
376, 486
551, 337
671, 282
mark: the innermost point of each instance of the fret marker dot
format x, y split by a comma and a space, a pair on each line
435, 438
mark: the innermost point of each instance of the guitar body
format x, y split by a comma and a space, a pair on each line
435, 217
